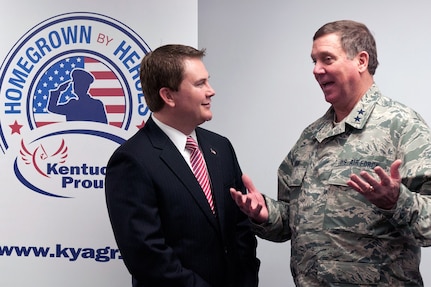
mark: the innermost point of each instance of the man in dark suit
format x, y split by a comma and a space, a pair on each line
165, 227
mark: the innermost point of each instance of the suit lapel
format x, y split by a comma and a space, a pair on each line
176, 163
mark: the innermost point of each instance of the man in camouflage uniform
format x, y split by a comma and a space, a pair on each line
353, 191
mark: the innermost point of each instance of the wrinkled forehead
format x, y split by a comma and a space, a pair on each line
329, 43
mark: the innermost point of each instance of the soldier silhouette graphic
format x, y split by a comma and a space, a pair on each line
82, 106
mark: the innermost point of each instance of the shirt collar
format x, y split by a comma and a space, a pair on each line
357, 118
359, 115
178, 138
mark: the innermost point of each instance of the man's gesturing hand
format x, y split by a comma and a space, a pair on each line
383, 194
252, 204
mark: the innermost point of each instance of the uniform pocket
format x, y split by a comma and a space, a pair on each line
349, 211
351, 273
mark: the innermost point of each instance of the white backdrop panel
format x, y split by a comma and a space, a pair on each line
54, 227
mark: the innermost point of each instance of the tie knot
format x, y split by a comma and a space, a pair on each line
191, 144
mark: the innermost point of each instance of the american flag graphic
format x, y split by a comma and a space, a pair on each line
106, 88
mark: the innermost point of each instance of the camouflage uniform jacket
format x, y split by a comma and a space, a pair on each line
338, 238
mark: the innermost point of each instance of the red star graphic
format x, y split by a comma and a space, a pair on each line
16, 128
141, 125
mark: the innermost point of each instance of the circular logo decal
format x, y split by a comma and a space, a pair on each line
70, 94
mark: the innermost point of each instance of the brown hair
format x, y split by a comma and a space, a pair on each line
354, 37
164, 68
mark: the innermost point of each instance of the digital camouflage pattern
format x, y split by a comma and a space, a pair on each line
338, 238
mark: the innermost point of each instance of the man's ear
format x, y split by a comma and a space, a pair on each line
167, 95
363, 59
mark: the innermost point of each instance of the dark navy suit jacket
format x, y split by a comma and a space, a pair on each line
162, 222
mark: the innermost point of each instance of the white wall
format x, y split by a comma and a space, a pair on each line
258, 55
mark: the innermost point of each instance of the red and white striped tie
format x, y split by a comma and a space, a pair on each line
199, 169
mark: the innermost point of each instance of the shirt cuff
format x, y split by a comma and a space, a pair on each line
401, 211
